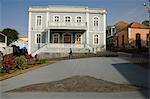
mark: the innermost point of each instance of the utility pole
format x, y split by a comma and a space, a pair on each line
148, 9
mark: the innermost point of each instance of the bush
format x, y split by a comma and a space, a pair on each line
28, 56
30, 60
20, 62
8, 62
2, 70
42, 61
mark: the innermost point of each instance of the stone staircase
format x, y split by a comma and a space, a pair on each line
66, 50
62, 56
51, 50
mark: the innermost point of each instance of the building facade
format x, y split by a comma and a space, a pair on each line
3, 40
3, 45
110, 33
56, 29
133, 35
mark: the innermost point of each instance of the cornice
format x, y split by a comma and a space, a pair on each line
64, 10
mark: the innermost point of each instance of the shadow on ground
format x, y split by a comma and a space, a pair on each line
135, 75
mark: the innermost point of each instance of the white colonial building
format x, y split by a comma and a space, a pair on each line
56, 29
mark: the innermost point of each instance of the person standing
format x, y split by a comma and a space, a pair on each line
70, 54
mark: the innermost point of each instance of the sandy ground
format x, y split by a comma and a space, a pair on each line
77, 84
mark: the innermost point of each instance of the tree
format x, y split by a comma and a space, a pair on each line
145, 22
12, 35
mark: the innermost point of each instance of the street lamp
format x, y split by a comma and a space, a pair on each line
148, 9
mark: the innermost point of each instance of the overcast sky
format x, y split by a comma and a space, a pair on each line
14, 13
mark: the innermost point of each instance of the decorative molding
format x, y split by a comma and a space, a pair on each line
63, 9
58, 37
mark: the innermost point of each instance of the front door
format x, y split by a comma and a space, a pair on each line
67, 38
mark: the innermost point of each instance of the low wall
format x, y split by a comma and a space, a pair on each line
51, 55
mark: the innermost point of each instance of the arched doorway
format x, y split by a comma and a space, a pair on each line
67, 38
78, 38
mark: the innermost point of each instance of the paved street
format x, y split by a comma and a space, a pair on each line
62, 95
110, 69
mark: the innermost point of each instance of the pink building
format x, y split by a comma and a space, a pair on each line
133, 35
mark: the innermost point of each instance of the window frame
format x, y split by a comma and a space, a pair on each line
67, 21
80, 38
95, 22
38, 41
36, 21
77, 19
96, 38
55, 19
54, 38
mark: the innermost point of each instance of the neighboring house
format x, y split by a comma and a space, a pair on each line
3, 41
110, 33
3, 45
21, 42
56, 29
133, 35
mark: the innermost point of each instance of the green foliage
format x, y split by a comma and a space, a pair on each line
20, 62
2, 70
11, 62
42, 61
145, 22
12, 35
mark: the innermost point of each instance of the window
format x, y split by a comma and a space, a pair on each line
96, 39
67, 19
95, 21
38, 38
39, 20
56, 18
78, 19
113, 30
55, 38
2, 38
117, 42
147, 39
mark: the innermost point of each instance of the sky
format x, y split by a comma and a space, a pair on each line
14, 13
